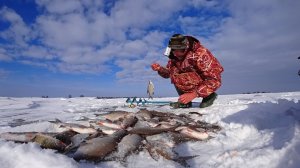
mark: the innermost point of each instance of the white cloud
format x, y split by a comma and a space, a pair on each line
17, 32
93, 33
200, 25
3, 55
81, 68
84, 36
63, 32
144, 13
259, 31
40, 52
139, 68
34, 63
134, 71
97, 29
59, 7
204, 3
258, 42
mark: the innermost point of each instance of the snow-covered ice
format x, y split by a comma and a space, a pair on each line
258, 130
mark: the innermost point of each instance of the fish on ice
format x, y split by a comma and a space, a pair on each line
128, 145
97, 148
118, 134
74, 127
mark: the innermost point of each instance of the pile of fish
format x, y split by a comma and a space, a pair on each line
115, 135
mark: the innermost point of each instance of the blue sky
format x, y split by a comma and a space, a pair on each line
105, 48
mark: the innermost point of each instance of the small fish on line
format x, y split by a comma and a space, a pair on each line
150, 89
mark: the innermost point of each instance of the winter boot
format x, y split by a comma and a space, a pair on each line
180, 105
209, 100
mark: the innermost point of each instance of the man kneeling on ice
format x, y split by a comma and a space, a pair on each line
193, 70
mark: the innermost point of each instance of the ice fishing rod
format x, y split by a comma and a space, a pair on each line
299, 69
133, 102
144, 101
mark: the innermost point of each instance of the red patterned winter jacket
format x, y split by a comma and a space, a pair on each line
200, 71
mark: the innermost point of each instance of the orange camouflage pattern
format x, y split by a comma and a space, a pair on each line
200, 71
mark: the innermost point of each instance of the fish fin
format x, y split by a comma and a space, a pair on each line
95, 135
55, 121
197, 113
209, 137
58, 120
92, 126
70, 149
84, 118
151, 150
182, 160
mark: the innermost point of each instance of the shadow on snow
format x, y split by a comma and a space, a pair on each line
282, 119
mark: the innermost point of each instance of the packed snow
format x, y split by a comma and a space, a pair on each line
258, 130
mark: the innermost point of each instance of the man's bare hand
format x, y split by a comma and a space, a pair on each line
155, 66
